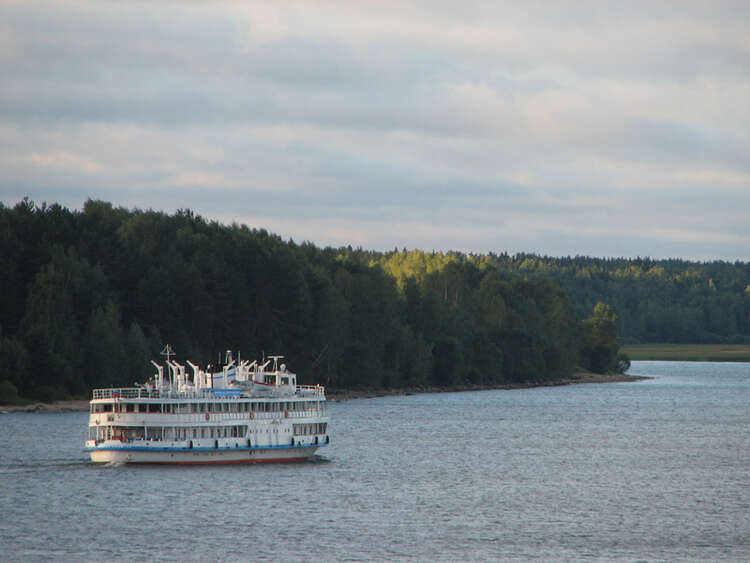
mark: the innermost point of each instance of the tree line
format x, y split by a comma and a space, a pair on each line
88, 297
670, 301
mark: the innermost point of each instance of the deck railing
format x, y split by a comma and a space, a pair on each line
143, 393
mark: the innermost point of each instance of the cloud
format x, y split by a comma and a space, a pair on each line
566, 128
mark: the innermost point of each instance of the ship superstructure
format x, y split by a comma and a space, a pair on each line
248, 412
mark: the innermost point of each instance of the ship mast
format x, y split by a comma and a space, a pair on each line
168, 351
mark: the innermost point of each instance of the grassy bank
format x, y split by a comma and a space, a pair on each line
689, 352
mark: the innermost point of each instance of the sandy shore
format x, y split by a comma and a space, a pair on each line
339, 394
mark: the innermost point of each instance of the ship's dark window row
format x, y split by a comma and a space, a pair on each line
127, 433
310, 429
213, 407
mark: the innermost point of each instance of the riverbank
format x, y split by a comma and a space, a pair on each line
342, 394
688, 352
574, 379
57, 406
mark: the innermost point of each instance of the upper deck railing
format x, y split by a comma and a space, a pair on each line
146, 393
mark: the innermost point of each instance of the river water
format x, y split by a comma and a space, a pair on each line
655, 470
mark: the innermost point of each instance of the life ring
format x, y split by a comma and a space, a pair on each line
252, 415
286, 414
208, 416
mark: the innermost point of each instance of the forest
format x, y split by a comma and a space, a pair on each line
670, 301
88, 297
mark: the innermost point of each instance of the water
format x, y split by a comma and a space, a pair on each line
650, 471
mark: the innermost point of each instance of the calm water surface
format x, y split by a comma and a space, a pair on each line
650, 471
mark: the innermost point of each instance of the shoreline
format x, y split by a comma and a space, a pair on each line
574, 379
78, 405
687, 352
342, 395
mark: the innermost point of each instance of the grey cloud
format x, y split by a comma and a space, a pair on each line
480, 118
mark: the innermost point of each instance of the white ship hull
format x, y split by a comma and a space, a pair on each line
201, 456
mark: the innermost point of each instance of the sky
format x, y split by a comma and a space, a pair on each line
559, 128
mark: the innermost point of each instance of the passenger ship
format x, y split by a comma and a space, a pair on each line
244, 413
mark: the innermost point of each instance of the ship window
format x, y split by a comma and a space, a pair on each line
141, 408
285, 381
130, 407
195, 432
153, 407
107, 408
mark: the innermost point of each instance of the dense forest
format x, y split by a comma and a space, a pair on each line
88, 297
674, 301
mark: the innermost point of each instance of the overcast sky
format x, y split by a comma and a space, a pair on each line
561, 128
